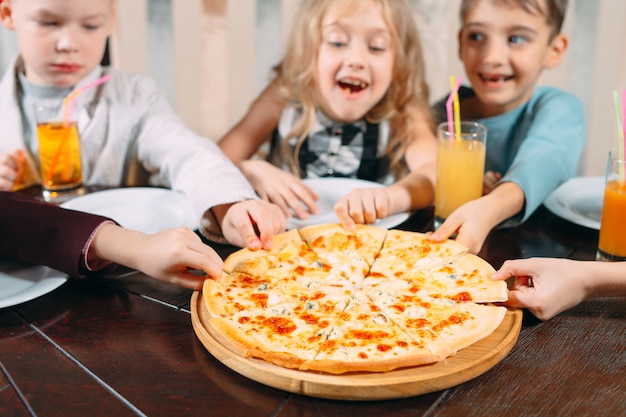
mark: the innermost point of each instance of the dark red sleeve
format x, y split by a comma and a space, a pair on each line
40, 233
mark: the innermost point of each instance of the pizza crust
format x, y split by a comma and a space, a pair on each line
249, 346
259, 261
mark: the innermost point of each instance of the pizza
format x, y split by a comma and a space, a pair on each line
334, 300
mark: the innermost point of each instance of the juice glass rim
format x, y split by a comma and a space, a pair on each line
477, 130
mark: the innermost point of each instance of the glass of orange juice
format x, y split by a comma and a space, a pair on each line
612, 242
460, 167
60, 163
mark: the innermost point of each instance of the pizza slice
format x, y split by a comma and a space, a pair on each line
287, 334
404, 252
351, 251
467, 278
442, 326
287, 252
284, 282
366, 339
237, 292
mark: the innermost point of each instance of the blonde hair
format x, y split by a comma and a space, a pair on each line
406, 99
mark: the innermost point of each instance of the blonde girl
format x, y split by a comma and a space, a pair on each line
348, 99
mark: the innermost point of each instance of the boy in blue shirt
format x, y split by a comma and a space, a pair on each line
535, 135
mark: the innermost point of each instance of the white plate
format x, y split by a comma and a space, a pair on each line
329, 191
145, 209
578, 200
22, 282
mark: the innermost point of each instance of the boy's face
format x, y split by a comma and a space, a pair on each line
354, 63
61, 41
504, 49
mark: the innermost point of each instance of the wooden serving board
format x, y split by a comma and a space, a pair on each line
468, 363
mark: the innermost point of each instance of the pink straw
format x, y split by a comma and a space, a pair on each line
622, 143
99, 81
69, 101
453, 94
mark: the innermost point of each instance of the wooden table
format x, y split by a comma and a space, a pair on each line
124, 346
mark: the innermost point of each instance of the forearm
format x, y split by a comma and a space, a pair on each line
605, 279
254, 170
115, 244
412, 192
237, 145
243, 141
504, 202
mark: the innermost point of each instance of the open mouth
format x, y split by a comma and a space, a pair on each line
495, 78
352, 86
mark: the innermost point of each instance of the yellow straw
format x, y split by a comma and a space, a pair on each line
456, 107
457, 116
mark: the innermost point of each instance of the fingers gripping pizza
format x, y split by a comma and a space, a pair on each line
334, 300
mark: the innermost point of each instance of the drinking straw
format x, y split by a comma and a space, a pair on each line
457, 111
622, 136
454, 85
68, 108
619, 117
69, 101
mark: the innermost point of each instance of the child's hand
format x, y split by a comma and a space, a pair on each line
11, 168
167, 256
363, 206
253, 224
545, 286
470, 222
281, 188
474, 220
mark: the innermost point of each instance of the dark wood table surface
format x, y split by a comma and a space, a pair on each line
124, 345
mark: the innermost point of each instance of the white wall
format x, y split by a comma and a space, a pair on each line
214, 56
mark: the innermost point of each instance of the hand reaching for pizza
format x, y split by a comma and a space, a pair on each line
251, 223
363, 206
548, 286
469, 222
280, 187
366, 205
167, 255
474, 220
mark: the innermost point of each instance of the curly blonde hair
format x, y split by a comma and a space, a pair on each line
406, 99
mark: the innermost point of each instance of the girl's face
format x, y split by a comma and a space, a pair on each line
354, 63
61, 41
504, 50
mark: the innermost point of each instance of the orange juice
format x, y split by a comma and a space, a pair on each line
460, 169
612, 244
59, 155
